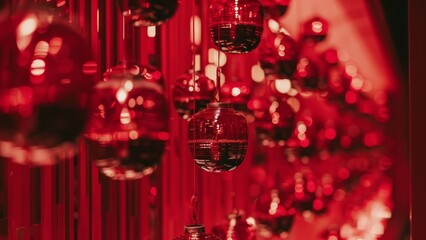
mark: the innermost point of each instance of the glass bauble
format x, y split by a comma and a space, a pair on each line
236, 26
274, 120
338, 83
218, 137
275, 213
311, 199
307, 74
315, 30
236, 227
148, 12
46, 76
274, 9
301, 144
196, 232
191, 96
237, 93
57, 9
278, 54
129, 122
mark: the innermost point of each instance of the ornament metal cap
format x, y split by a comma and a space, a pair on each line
195, 228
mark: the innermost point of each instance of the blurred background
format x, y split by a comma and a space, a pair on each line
98, 103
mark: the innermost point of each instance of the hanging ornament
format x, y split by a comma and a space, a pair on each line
236, 228
337, 83
236, 26
315, 30
307, 75
278, 54
196, 232
331, 234
312, 195
237, 93
301, 144
331, 57
148, 12
274, 9
129, 122
274, 120
275, 214
327, 137
45, 80
218, 137
188, 93
56, 9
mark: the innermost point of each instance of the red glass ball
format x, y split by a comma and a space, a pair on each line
303, 139
312, 194
148, 12
275, 212
46, 76
274, 9
238, 93
274, 120
129, 122
218, 137
307, 75
338, 83
190, 97
315, 30
278, 54
196, 232
235, 228
236, 26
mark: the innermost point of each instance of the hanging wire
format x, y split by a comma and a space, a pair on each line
194, 199
194, 209
218, 69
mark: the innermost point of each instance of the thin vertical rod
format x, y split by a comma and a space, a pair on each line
194, 199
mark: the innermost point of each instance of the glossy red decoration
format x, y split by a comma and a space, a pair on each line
148, 12
274, 120
218, 137
315, 30
312, 194
196, 232
307, 75
236, 227
301, 144
236, 26
238, 93
129, 122
337, 82
188, 94
275, 213
58, 9
278, 54
274, 9
46, 75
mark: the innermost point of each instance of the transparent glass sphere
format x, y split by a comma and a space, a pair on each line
196, 232
218, 137
129, 122
278, 54
236, 26
148, 12
46, 76
191, 96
